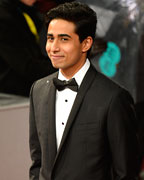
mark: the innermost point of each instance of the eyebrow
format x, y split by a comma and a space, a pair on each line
60, 35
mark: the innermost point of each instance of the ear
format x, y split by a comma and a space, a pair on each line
87, 44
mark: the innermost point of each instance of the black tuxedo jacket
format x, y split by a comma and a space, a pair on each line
21, 59
99, 140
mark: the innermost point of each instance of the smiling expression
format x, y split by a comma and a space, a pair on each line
64, 48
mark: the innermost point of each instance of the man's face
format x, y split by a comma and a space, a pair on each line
64, 48
28, 2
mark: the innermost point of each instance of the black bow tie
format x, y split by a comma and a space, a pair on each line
61, 85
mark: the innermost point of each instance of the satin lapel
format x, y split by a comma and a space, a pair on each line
88, 79
52, 149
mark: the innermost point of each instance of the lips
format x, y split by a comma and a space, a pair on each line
56, 57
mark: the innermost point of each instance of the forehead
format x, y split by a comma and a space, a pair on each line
60, 26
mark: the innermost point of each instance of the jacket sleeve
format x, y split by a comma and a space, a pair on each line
123, 141
35, 149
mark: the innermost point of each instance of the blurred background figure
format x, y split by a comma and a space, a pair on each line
22, 51
45, 5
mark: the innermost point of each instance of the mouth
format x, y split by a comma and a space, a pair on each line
56, 57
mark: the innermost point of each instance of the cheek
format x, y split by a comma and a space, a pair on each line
47, 47
71, 50
75, 52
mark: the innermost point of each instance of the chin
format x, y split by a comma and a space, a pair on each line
56, 66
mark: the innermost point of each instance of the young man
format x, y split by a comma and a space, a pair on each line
84, 130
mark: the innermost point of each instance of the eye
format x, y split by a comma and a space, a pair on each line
64, 39
50, 38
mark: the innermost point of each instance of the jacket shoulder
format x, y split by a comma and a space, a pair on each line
109, 88
109, 84
41, 83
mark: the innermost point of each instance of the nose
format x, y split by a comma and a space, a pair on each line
54, 46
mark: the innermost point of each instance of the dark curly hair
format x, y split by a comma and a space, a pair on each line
80, 14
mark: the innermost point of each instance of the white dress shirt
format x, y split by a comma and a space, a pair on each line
65, 100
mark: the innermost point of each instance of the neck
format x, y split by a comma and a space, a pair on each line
69, 73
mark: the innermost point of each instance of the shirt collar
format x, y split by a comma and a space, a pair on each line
79, 75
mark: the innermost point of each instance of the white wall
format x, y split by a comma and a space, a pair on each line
14, 144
